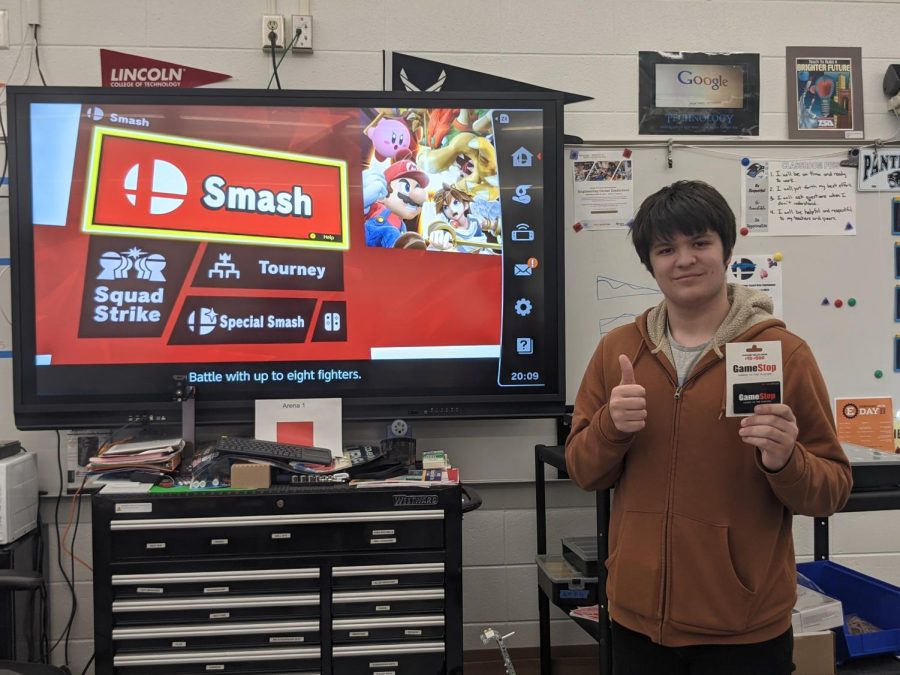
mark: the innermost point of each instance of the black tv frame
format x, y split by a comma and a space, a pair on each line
32, 411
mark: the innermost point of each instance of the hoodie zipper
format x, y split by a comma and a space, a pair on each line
670, 496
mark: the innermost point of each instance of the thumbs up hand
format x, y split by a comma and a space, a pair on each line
628, 401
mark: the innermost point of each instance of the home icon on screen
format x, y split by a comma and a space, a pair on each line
522, 157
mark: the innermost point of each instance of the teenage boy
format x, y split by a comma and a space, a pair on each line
702, 577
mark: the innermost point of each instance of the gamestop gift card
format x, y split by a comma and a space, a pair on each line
753, 376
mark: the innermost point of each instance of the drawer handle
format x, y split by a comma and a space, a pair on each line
388, 622
172, 604
385, 596
223, 575
290, 519
388, 649
366, 570
206, 630
231, 656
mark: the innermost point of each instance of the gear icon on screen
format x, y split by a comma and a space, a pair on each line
523, 307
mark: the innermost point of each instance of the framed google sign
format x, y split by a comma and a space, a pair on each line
699, 93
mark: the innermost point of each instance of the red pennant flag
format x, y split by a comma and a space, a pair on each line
131, 71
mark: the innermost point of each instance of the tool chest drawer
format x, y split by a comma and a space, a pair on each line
177, 610
323, 580
361, 577
374, 603
388, 629
398, 659
225, 582
275, 660
283, 533
216, 635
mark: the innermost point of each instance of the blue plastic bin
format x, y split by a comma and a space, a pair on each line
870, 599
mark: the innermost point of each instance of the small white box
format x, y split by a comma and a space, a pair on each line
18, 496
815, 612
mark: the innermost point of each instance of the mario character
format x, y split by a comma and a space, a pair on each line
454, 204
390, 137
406, 185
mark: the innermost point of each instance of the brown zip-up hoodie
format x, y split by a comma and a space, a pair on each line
701, 550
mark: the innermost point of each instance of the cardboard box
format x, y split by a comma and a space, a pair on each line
251, 476
814, 612
814, 653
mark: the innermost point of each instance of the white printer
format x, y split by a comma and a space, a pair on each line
18, 495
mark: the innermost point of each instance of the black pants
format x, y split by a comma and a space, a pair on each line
636, 654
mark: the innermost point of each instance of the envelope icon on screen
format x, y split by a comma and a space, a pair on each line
522, 270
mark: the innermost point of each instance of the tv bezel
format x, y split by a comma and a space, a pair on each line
35, 414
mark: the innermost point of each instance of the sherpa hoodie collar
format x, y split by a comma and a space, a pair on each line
749, 307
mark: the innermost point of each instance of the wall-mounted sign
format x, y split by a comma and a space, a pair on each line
413, 73
878, 169
129, 71
824, 92
699, 93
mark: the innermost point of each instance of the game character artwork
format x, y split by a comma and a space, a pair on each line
430, 181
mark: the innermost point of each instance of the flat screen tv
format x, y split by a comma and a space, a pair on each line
402, 252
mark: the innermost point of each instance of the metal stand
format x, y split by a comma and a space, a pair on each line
555, 457
186, 394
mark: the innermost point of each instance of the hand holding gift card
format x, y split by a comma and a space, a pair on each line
754, 375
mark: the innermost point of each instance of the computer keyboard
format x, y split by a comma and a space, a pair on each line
283, 452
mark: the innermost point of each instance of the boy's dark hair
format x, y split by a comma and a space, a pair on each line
686, 207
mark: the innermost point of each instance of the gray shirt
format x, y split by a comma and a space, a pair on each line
685, 357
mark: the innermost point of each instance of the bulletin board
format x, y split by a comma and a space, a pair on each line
606, 283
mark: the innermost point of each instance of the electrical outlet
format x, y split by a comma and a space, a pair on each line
273, 23
32, 12
302, 30
4, 29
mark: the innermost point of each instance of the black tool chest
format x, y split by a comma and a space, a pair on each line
328, 580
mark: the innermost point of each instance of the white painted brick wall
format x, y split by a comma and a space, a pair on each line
586, 46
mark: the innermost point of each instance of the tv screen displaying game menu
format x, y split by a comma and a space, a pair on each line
402, 252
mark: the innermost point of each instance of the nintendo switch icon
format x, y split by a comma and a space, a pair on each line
522, 232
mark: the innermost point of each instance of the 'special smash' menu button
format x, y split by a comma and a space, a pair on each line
216, 320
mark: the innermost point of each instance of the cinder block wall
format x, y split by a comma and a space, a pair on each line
584, 46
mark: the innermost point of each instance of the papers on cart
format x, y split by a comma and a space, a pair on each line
163, 456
